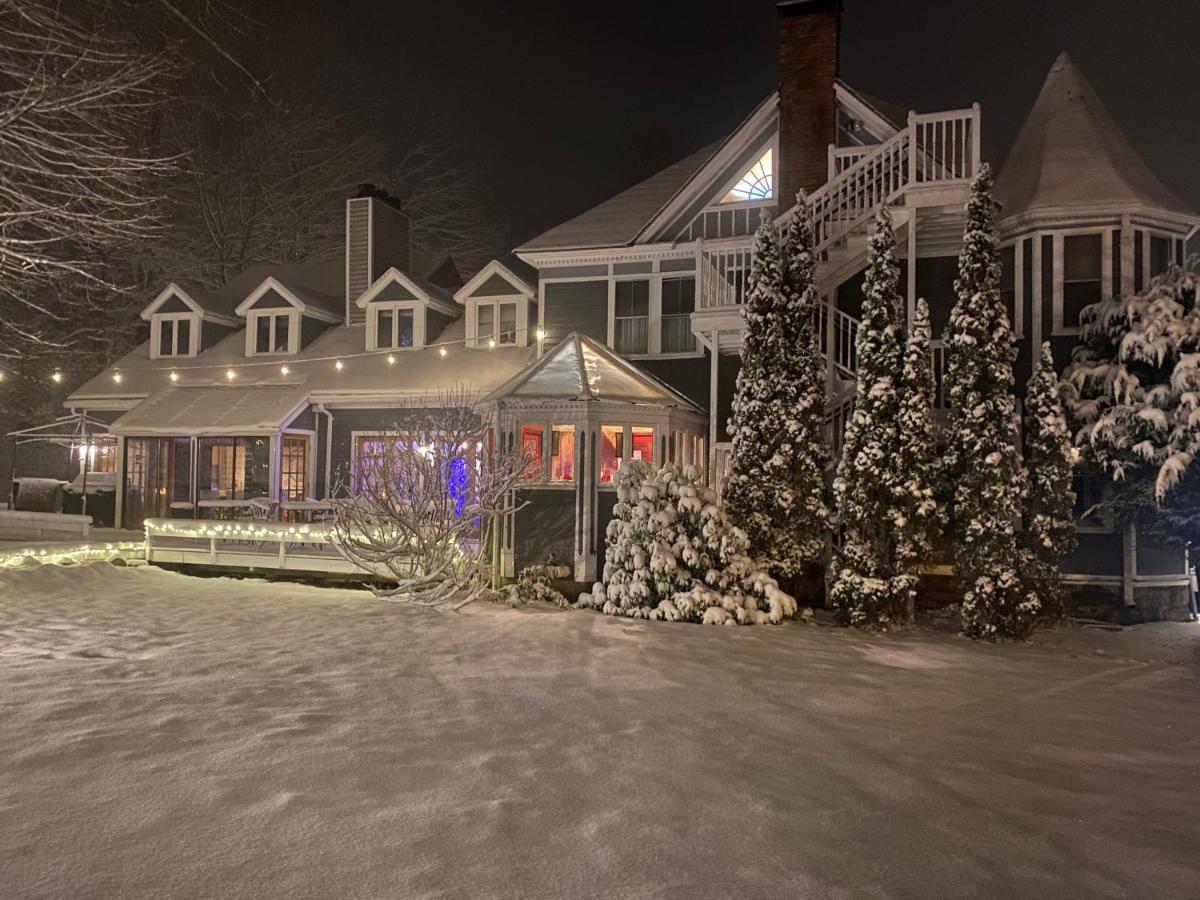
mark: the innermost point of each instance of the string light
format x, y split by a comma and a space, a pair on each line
541, 334
491, 343
442, 350
391, 358
57, 377
230, 374
117, 377
174, 376
339, 365
284, 370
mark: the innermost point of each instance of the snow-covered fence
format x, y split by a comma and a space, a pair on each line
20, 524
254, 546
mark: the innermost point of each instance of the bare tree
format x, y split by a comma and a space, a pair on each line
77, 178
424, 502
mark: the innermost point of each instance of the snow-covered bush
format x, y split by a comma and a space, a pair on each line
1133, 394
776, 486
536, 584
983, 458
1049, 532
671, 554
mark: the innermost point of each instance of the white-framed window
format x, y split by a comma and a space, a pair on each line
651, 315
395, 327
272, 332
757, 183
504, 320
174, 334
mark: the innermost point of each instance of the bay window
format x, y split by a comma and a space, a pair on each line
642, 443
533, 446
631, 318
562, 453
612, 451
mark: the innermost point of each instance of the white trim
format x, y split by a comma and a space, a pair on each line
395, 276
880, 128
174, 290
521, 322
274, 313
654, 313
495, 267
715, 204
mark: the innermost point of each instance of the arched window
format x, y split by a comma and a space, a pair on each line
756, 184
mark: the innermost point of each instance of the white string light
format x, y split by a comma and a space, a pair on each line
339, 365
230, 374
57, 377
284, 370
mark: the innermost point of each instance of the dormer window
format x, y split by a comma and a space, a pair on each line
173, 335
274, 332
394, 326
497, 320
501, 311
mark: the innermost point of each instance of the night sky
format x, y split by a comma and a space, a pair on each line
563, 103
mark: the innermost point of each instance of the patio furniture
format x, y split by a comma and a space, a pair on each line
226, 509
307, 510
264, 509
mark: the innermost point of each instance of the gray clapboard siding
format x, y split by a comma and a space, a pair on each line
576, 306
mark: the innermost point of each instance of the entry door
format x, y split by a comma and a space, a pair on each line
293, 467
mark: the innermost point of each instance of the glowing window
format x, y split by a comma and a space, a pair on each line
532, 444
757, 184
562, 453
643, 443
612, 451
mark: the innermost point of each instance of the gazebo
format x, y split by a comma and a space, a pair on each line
87, 441
580, 411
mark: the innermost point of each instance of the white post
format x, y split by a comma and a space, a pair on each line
912, 263
1129, 563
712, 407
912, 147
976, 138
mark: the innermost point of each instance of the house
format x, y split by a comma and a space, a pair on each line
616, 334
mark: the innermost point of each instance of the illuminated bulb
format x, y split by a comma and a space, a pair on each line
491, 342
57, 377
230, 375
283, 370
117, 377
442, 351
391, 359
541, 334
339, 365
174, 376
1, 376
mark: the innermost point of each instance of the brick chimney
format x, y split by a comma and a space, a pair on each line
376, 240
808, 65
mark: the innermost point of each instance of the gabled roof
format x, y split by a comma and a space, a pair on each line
495, 269
207, 304
419, 288
580, 368
1070, 153
309, 302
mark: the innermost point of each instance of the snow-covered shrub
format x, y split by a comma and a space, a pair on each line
536, 584
671, 554
1133, 396
776, 485
1049, 533
982, 456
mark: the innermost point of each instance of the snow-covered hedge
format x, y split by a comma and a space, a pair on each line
536, 584
671, 554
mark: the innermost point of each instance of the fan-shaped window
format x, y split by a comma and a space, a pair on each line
756, 184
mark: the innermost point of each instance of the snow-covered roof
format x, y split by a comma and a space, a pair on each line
1070, 153
580, 368
215, 409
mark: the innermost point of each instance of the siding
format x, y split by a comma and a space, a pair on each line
173, 305
1097, 554
545, 526
310, 330
346, 421
688, 376
496, 286
576, 306
358, 275
435, 324
211, 333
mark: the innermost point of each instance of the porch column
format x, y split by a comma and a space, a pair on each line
585, 561
714, 338
1126, 287
912, 264
1129, 563
119, 498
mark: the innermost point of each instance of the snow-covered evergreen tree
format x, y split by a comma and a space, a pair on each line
1049, 533
1133, 394
918, 513
775, 489
988, 474
866, 490
670, 553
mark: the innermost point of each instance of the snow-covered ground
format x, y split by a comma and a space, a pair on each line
166, 736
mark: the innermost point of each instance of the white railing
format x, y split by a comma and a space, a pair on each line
946, 146
837, 336
724, 269
842, 158
837, 420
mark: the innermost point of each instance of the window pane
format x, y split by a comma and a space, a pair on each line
508, 323
485, 318
612, 451
632, 335
562, 453
183, 337
678, 296
262, 335
166, 333
293, 468
532, 437
633, 298
1160, 255
643, 443
1077, 295
1081, 257
281, 333
404, 328
383, 329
